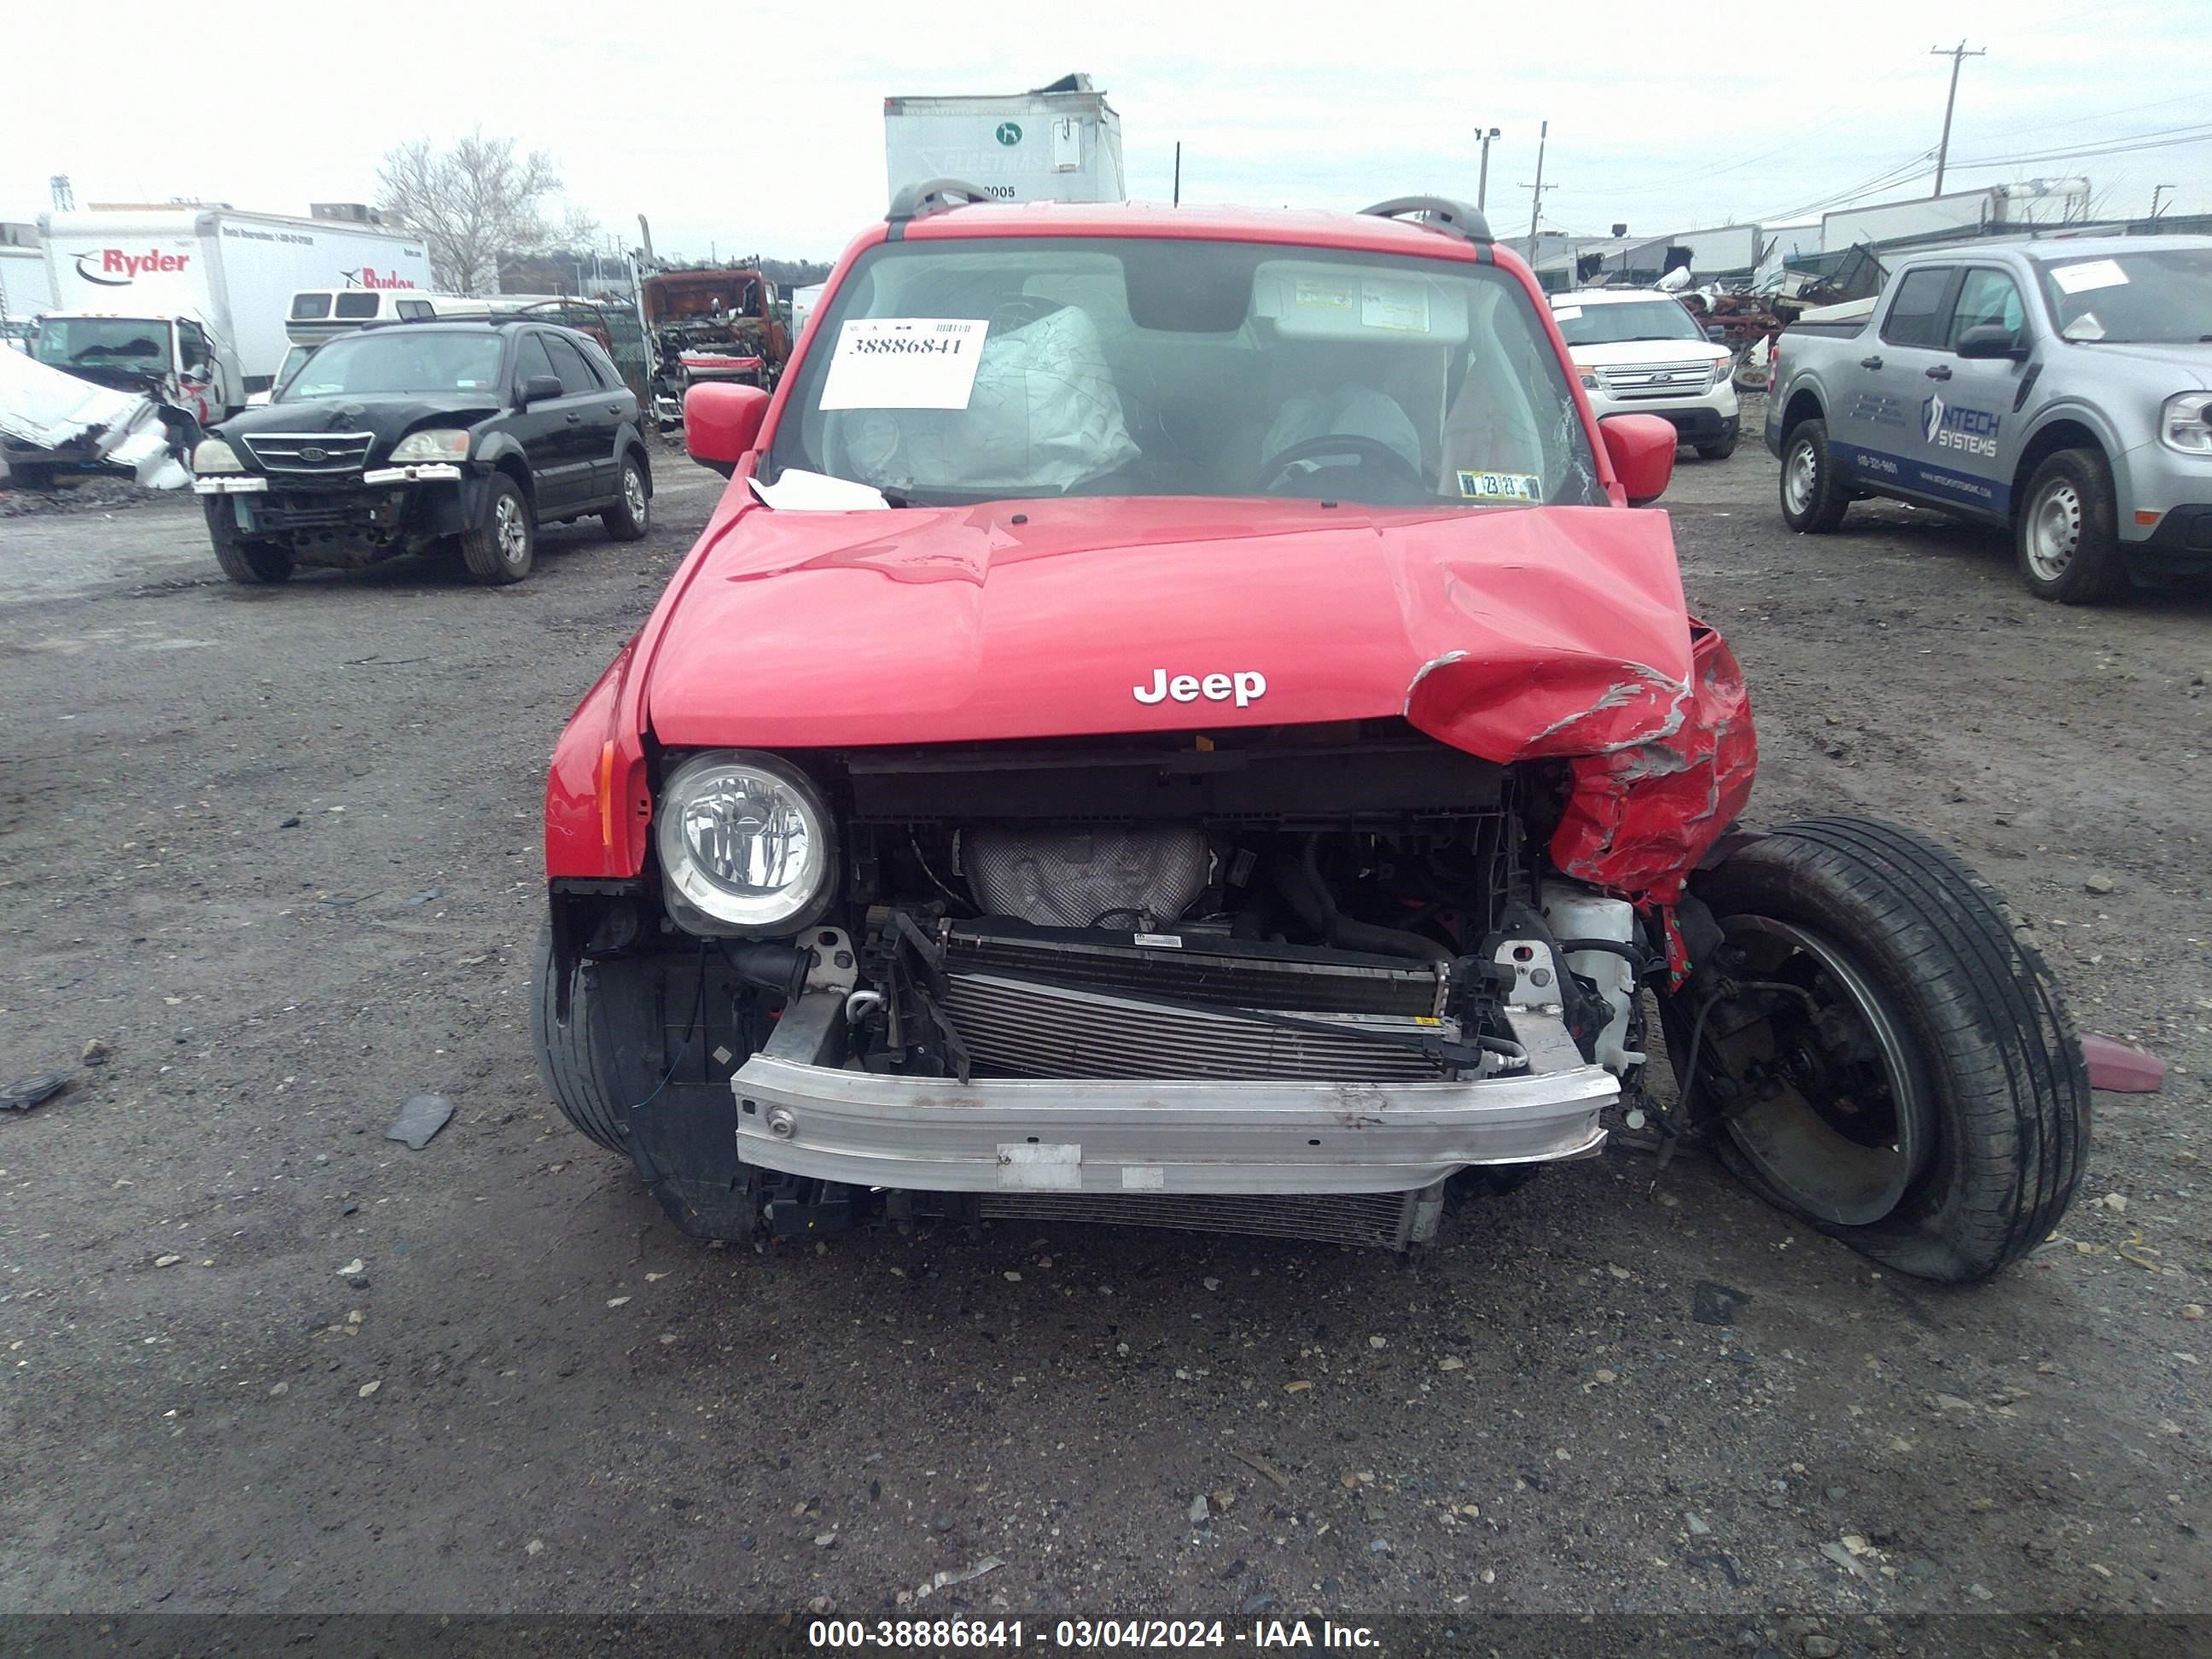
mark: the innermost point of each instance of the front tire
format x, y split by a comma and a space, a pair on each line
1812, 496
251, 563
2066, 534
1915, 1089
501, 546
572, 1054
631, 517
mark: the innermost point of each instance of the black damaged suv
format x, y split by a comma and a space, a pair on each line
402, 438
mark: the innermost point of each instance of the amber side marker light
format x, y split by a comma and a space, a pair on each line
607, 793
2146, 519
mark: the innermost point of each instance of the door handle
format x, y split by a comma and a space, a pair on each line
614, 409
575, 419
1940, 372
1869, 362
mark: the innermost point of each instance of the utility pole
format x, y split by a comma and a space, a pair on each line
1536, 191
1958, 55
64, 197
2157, 191
1178, 179
1482, 185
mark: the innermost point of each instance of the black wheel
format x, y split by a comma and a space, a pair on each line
501, 546
1892, 1062
2066, 531
1719, 451
572, 1053
629, 520
252, 563
1813, 497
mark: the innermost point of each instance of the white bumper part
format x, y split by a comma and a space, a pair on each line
230, 483
1161, 1136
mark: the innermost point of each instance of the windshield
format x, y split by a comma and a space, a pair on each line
1615, 324
135, 343
968, 371
2160, 296
382, 365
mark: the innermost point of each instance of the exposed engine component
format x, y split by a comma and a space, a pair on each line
1138, 878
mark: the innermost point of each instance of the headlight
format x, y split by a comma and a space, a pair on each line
1723, 369
213, 455
2185, 423
438, 443
745, 844
1588, 379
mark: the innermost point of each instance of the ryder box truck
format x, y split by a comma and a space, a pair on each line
211, 285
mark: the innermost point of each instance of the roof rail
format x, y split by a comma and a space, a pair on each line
1439, 213
931, 195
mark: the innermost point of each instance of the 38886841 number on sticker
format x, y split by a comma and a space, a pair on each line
917, 1635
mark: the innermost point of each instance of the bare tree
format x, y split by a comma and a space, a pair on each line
471, 203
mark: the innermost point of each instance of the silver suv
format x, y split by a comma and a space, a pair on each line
2059, 387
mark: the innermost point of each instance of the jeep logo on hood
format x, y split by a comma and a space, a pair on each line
111, 267
1245, 686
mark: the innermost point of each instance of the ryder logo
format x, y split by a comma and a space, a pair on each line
370, 276
1970, 431
1245, 688
111, 267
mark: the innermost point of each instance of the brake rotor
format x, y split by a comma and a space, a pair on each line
1826, 1106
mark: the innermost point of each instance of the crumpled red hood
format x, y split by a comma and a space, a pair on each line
1510, 633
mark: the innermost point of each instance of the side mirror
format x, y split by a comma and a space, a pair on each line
1642, 450
539, 388
721, 422
1991, 340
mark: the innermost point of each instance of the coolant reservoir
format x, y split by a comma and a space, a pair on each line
1573, 912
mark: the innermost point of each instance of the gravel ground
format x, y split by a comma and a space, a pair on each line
275, 851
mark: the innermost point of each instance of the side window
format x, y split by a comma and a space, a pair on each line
1987, 297
1912, 319
191, 345
577, 379
413, 311
529, 359
602, 364
310, 307
362, 305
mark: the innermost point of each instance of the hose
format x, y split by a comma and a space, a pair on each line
1300, 883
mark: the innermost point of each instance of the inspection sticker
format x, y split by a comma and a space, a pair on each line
1329, 296
1501, 487
905, 362
1402, 306
2089, 276
1566, 314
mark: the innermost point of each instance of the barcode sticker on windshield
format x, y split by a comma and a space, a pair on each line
1566, 313
904, 362
2089, 276
1500, 487
1329, 296
1402, 306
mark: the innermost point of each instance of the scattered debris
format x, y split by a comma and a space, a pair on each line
616, 1301
167, 1261
1296, 1388
1698, 1528
421, 1116
1261, 1465
535, 1546
2192, 1311
354, 1266
1716, 1304
278, 1390
1198, 1510
1451, 1364
368, 1388
96, 1052
938, 1581
425, 895
36, 1090
2099, 884
824, 1540
1849, 1562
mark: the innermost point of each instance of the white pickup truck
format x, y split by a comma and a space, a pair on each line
2059, 388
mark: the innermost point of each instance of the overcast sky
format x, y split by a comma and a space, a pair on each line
759, 129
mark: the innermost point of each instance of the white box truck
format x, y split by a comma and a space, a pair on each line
1060, 144
214, 286
24, 290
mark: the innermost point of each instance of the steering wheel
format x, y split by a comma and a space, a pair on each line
1342, 443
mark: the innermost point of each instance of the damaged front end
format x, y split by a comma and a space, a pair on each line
1280, 980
